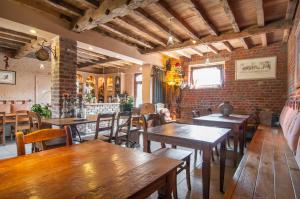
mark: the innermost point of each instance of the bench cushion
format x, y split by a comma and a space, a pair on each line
5, 108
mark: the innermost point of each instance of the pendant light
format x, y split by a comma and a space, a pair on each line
170, 38
207, 61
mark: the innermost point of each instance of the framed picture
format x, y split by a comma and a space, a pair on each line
7, 77
297, 58
257, 68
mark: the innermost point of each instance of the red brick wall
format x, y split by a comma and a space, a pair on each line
292, 91
244, 95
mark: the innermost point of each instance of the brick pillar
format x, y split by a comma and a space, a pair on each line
63, 73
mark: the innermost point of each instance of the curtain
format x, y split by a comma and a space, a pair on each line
158, 85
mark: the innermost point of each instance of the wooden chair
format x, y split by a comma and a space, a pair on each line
22, 122
40, 136
2, 126
35, 121
177, 154
105, 123
123, 128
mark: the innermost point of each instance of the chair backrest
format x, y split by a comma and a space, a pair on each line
123, 122
35, 121
148, 120
105, 122
147, 108
41, 135
22, 120
2, 119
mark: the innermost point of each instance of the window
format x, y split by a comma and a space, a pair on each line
207, 77
138, 89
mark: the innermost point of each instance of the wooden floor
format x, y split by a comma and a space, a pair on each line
10, 151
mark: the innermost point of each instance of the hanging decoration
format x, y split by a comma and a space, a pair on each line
174, 77
6, 62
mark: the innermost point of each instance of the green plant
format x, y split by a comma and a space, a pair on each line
44, 111
127, 103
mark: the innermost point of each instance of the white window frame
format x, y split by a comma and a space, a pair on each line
221, 63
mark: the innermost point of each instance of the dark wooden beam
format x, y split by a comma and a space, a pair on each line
12, 42
9, 46
245, 43
141, 30
247, 32
176, 19
122, 33
63, 7
260, 13
212, 49
226, 7
107, 11
198, 9
154, 22
228, 46
111, 59
14, 38
291, 9
84, 3
90, 53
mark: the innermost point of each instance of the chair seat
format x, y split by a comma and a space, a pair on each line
102, 137
177, 154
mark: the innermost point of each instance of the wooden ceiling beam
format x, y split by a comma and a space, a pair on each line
137, 28
171, 54
228, 11
14, 38
228, 46
198, 9
12, 42
260, 13
63, 7
84, 3
106, 12
116, 30
90, 53
226, 36
18, 34
154, 22
212, 49
110, 59
245, 43
264, 39
9, 46
176, 19
291, 9
196, 51
184, 54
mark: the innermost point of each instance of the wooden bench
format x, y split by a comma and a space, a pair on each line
267, 170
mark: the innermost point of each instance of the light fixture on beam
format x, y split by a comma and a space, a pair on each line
170, 38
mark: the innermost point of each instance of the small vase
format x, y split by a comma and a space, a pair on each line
226, 108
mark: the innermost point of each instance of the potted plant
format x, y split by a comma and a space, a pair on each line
42, 110
126, 104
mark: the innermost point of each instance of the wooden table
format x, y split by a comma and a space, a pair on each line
196, 137
235, 122
91, 170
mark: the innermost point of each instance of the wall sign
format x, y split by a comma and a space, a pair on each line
7, 77
258, 68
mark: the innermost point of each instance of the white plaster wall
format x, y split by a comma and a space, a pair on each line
28, 75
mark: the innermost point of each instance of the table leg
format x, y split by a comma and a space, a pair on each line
166, 191
146, 143
222, 164
206, 172
74, 128
235, 144
242, 139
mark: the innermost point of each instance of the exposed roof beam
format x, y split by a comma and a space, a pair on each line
291, 9
63, 7
9, 46
198, 9
107, 11
260, 13
12, 42
184, 54
111, 59
137, 28
264, 39
286, 34
14, 38
176, 19
18, 34
245, 43
29, 48
114, 29
228, 46
226, 7
84, 3
153, 21
90, 53
196, 51
171, 54
212, 49
247, 32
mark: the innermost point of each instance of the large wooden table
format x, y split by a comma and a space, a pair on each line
235, 122
196, 137
91, 170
